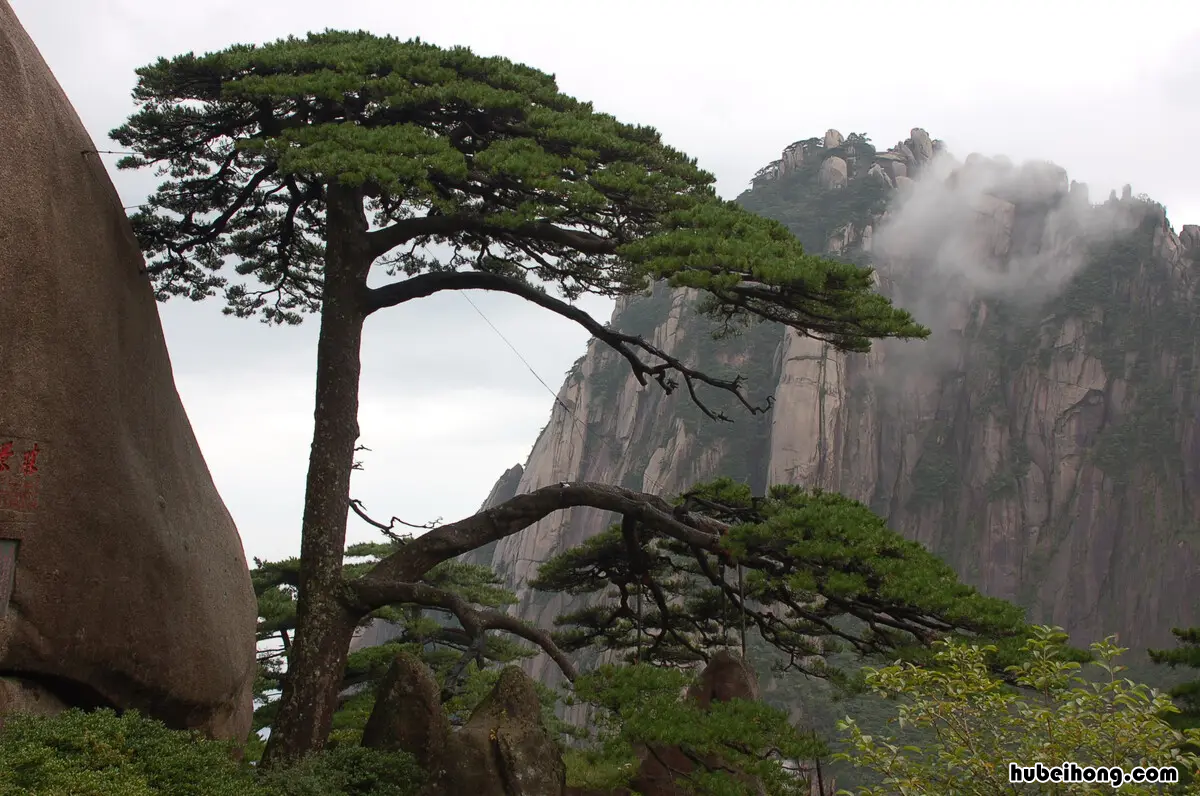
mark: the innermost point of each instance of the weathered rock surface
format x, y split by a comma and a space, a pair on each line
503, 750
876, 172
26, 696
1189, 237
726, 677
131, 586
834, 172
408, 713
922, 145
851, 157
793, 156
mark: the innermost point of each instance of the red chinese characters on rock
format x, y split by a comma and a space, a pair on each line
29, 460
19, 483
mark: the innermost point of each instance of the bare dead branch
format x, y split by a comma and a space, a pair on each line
358, 508
628, 346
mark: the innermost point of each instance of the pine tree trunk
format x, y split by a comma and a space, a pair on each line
324, 624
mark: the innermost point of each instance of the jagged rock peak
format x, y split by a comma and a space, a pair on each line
837, 160
902, 160
505, 487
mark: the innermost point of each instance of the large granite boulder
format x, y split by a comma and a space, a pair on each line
504, 749
834, 173
130, 585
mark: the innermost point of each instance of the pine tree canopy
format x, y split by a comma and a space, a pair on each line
820, 574
467, 172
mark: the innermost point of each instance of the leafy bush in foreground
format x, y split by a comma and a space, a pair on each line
101, 753
978, 723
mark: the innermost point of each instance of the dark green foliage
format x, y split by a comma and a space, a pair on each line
821, 573
103, 754
347, 770
1012, 469
937, 472
481, 154
641, 705
1187, 694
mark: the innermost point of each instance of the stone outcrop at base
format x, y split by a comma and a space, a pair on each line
503, 750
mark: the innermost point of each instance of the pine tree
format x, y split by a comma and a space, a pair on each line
1186, 694
811, 573
296, 169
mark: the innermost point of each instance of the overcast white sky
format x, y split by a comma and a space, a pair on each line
1111, 91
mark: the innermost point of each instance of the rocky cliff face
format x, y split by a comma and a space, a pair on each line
1044, 440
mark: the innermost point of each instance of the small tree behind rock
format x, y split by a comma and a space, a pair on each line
465, 667
719, 740
1187, 694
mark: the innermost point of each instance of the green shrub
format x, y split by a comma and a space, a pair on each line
101, 753
347, 770
104, 754
978, 723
